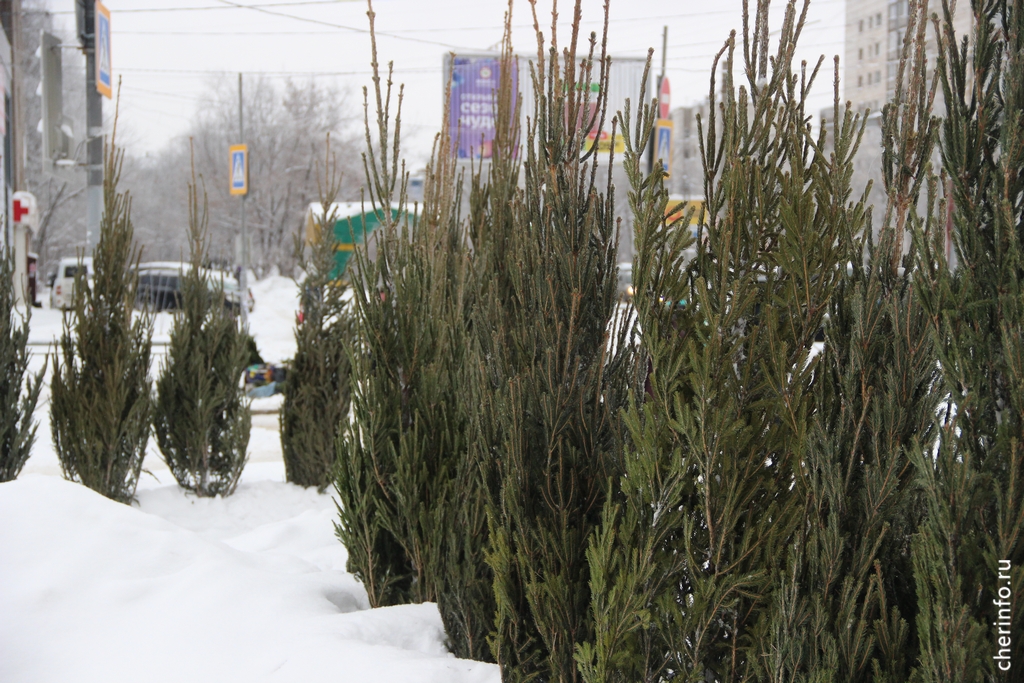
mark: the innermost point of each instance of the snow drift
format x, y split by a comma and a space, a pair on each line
250, 588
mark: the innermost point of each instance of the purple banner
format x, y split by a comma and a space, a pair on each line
474, 104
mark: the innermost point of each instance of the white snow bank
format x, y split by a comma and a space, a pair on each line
248, 588
272, 321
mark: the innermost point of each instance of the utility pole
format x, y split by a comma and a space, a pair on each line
664, 53
94, 168
243, 278
661, 76
86, 19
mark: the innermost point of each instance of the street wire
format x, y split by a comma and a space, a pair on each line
354, 29
361, 72
142, 10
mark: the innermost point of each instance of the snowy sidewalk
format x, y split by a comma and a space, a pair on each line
247, 588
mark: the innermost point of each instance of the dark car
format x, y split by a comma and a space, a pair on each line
160, 287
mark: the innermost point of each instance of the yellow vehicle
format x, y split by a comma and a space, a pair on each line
677, 207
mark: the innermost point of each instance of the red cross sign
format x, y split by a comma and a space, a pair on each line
24, 209
20, 210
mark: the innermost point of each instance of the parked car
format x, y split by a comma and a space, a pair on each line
160, 286
63, 284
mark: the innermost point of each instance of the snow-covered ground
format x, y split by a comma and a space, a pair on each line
251, 587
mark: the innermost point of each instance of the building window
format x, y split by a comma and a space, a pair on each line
878, 19
878, 49
878, 77
860, 53
895, 40
871, 21
860, 81
861, 26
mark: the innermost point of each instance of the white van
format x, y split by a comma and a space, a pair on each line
62, 289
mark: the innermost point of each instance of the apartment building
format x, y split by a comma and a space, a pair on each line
866, 53
875, 30
687, 172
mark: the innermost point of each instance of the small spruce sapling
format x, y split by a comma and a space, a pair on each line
201, 416
100, 391
18, 394
412, 504
318, 390
368, 448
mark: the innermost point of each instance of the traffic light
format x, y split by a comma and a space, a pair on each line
85, 20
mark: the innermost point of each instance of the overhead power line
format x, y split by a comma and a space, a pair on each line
150, 10
429, 29
263, 9
361, 72
354, 29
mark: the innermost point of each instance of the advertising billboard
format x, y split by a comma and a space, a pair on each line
473, 102
625, 77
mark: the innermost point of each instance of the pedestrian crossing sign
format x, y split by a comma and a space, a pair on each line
239, 156
104, 73
663, 144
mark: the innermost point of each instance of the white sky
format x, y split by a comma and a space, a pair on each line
167, 53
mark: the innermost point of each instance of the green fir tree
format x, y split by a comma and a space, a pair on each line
550, 376
201, 416
630, 557
318, 390
18, 393
686, 566
400, 452
842, 608
463, 580
969, 553
100, 391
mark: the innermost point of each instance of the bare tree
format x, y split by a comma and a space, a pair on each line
285, 128
61, 197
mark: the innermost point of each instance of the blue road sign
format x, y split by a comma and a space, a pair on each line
663, 143
104, 72
239, 169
